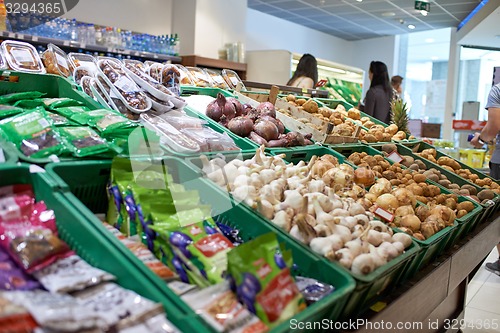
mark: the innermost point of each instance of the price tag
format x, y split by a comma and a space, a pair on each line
218, 79
234, 81
395, 157
383, 214
12, 35
155, 56
126, 85
127, 52
20, 36
83, 45
35, 38
66, 43
61, 60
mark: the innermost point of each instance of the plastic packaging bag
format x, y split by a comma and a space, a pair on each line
15, 318
260, 272
18, 96
33, 134
13, 278
84, 141
7, 111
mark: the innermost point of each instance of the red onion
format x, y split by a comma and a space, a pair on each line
237, 105
266, 129
247, 108
228, 109
277, 143
257, 138
213, 110
241, 126
267, 108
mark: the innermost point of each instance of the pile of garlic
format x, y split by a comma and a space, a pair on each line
316, 203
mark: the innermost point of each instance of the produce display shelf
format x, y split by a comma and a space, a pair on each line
419, 146
88, 241
368, 287
52, 86
85, 192
470, 224
434, 245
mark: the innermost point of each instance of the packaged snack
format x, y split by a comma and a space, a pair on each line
15, 207
210, 140
22, 57
147, 83
33, 247
232, 79
160, 106
156, 324
154, 70
81, 71
108, 122
99, 94
126, 89
169, 135
58, 120
18, 96
14, 318
199, 77
82, 59
58, 312
56, 61
312, 289
182, 288
181, 121
219, 307
116, 304
72, 112
200, 243
217, 79
55, 103
123, 109
85, 84
186, 78
29, 103
33, 134
7, 111
10, 190
170, 77
115, 60
13, 278
70, 274
84, 141
263, 281
230, 233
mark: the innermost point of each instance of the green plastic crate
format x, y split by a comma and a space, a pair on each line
91, 245
468, 222
206, 91
419, 146
52, 86
369, 287
92, 193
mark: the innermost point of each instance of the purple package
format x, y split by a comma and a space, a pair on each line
12, 277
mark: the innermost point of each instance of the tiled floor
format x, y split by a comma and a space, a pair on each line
482, 312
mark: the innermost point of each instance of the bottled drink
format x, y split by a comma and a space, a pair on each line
73, 31
99, 38
117, 32
177, 45
82, 33
91, 34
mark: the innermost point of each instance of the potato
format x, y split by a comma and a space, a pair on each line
399, 136
433, 177
472, 190
392, 129
379, 135
369, 124
395, 182
464, 192
448, 168
421, 164
354, 114
290, 98
441, 198
465, 205
434, 190
370, 138
461, 213
310, 106
300, 101
486, 195
419, 178
446, 183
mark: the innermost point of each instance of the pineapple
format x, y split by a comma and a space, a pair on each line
399, 115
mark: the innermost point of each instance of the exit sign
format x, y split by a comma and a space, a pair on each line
423, 5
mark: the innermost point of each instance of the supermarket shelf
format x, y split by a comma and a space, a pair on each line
66, 44
438, 292
197, 61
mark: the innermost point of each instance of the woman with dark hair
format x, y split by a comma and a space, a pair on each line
378, 98
306, 74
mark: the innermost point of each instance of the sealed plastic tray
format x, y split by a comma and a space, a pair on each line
56, 61
81, 71
199, 77
82, 59
85, 83
22, 57
87, 183
217, 79
232, 79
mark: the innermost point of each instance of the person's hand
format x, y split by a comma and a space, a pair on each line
475, 141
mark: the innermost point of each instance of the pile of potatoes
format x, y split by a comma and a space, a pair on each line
452, 165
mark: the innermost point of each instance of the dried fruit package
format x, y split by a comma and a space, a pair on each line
18, 96
84, 141
60, 102
15, 318
12, 277
7, 111
34, 134
219, 307
109, 123
200, 246
73, 112
261, 275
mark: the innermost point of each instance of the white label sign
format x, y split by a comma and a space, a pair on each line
395, 157
382, 213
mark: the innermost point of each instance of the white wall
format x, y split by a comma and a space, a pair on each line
385, 49
146, 16
267, 32
218, 22
184, 23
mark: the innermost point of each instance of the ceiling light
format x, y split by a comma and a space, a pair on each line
424, 12
388, 14
411, 26
359, 0
430, 40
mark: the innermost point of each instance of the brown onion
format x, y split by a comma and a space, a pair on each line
387, 202
240, 126
364, 176
266, 129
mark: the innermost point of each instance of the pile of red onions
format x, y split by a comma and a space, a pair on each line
259, 124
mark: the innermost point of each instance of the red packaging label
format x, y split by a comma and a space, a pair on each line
278, 293
383, 214
213, 244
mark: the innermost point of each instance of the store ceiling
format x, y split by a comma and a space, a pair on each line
355, 20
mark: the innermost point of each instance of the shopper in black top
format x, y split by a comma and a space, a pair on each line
378, 98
